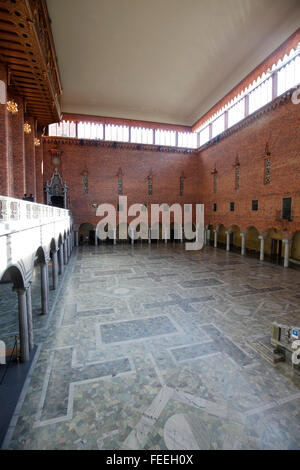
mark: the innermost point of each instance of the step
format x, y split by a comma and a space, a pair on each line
269, 347
268, 353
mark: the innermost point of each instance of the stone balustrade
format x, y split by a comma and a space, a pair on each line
16, 215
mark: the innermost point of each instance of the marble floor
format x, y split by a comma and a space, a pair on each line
149, 347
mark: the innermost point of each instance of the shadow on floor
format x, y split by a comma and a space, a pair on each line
11, 389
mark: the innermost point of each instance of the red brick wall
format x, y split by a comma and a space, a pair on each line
38, 170
4, 178
280, 128
103, 164
30, 165
17, 152
18, 148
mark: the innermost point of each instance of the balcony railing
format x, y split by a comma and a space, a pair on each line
16, 214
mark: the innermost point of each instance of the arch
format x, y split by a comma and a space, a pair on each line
13, 275
60, 240
175, 231
40, 255
156, 231
211, 236
222, 235
295, 251
273, 245
142, 230
252, 242
21, 315
85, 233
236, 239
53, 246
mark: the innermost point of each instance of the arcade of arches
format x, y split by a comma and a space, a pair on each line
140, 343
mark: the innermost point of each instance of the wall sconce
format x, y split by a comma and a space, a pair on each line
27, 128
37, 142
267, 150
214, 170
94, 205
12, 107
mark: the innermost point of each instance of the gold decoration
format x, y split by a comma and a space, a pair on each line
37, 142
12, 107
27, 128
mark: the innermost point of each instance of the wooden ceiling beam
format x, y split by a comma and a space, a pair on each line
27, 49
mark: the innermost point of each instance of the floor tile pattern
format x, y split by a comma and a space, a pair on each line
147, 347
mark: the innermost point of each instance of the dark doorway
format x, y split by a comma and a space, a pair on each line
57, 201
276, 250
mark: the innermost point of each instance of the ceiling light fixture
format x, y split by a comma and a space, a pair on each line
27, 128
12, 107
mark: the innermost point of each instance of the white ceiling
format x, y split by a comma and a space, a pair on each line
162, 60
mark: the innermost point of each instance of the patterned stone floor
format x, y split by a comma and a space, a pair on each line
147, 348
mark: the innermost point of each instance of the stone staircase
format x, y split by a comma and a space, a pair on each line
267, 351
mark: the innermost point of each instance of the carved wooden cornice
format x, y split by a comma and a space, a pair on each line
27, 49
116, 145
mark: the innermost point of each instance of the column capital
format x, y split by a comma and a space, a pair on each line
20, 290
262, 237
287, 241
243, 234
228, 231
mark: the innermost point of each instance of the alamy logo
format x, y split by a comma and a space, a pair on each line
184, 224
2, 353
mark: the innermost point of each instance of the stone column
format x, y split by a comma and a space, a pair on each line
216, 238
243, 246
44, 287
96, 238
262, 247
23, 325
29, 317
208, 236
228, 240
115, 236
55, 269
64, 245
204, 239
166, 235
149, 236
181, 235
286, 253
68, 246
61, 260
76, 239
